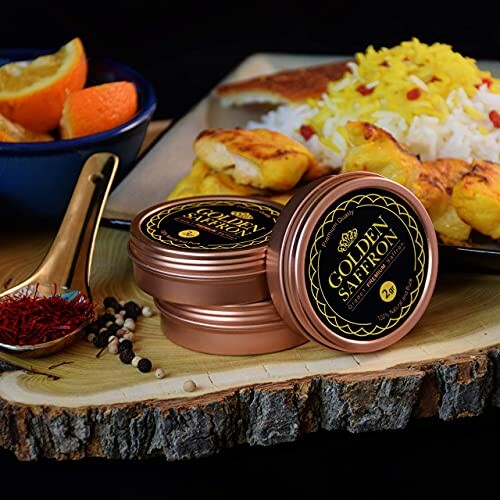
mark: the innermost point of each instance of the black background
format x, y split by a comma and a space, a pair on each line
185, 48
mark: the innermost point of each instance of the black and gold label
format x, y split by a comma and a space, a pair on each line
211, 225
366, 264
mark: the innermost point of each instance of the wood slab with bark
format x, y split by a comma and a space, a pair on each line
73, 405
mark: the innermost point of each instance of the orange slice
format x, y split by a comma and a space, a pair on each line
99, 108
32, 93
13, 132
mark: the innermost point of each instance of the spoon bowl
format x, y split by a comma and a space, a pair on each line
68, 261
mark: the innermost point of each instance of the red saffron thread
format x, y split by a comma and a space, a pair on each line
28, 318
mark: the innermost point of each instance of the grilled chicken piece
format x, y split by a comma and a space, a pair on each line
282, 198
451, 229
476, 197
451, 170
430, 188
202, 181
430, 191
317, 170
285, 87
375, 150
259, 158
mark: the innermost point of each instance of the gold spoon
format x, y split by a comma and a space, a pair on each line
68, 260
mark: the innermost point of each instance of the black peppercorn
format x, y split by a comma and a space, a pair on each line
112, 302
108, 332
113, 328
127, 356
132, 308
125, 345
105, 318
131, 315
101, 339
144, 365
93, 327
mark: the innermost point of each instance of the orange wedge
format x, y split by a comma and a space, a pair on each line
99, 108
13, 132
32, 93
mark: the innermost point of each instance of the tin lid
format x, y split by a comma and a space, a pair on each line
203, 237
352, 262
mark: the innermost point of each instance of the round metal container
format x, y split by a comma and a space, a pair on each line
230, 330
203, 251
352, 262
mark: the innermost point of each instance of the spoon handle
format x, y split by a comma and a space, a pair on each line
68, 260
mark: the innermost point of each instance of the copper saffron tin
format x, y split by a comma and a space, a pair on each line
228, 330
352, 262
203, 250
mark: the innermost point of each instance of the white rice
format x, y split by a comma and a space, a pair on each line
466, 133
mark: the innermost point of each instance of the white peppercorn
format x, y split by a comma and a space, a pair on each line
129, 323
113, 348
189, 386
147, 312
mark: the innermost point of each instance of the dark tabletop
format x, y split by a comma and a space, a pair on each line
428, 460
185, 49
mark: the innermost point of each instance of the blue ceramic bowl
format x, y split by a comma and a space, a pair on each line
37, 179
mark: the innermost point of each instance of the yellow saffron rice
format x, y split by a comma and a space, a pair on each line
429, 97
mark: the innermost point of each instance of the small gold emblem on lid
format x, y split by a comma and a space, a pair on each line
242, 215
347, 239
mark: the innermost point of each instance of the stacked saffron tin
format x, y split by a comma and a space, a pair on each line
204, 261
349, 263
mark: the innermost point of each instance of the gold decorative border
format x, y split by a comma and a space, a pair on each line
153, 222
322, 304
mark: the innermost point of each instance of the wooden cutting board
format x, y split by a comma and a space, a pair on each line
73, 405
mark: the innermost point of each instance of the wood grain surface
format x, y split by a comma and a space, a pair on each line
73, 404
